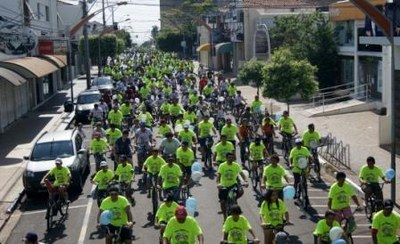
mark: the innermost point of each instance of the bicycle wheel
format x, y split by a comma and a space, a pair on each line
303, 192
154, 201
63, 207
317, 167
369, 208
50, 215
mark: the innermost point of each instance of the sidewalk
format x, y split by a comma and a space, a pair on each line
17, 142
359, 130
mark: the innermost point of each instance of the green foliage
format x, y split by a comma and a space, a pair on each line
311, 37
125, 36
169, 41
252, 71
286, 76
120, 46
108, 46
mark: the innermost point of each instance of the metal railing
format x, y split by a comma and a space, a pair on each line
335, 152
339, 93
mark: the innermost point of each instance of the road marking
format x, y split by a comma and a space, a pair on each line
82, 235
44, 211
315, 190
360, 237
355, 214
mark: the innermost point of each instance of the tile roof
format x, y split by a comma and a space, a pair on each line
287, 3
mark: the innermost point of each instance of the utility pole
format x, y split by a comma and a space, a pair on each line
104, 14
86, 44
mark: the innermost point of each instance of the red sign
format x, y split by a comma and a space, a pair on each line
46, 47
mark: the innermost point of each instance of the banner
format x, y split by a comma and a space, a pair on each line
16, 39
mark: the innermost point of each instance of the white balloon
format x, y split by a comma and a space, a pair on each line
211, 120
335, 233
196, 176
221, 99
302, 163
178, 128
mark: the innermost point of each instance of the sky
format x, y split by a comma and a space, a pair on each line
143, 15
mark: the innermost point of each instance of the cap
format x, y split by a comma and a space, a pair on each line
388, 203
142, 124
185, 126
58, 161
180, 213
298, 140
103, 164
31, 237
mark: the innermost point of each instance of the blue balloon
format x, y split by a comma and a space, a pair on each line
288, 192
339, 241
390, 174
196, 166
106, 217
191, 202
191, 211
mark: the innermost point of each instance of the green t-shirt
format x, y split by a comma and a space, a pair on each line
340, 195
146, 117
186, 136
255, 105
115, 117
124, 173
165, 108
144, 92
103, 178
232, 90
162, 130
165, 213
371, 175
205, 129
256, 152
117, 208
236, 229
186, 158
182, 233
193, 99
113, 135
274, 176
387, 227
61, 176
310, 137
153, 165
98, 146
229, 173
170, 175
175, 109
230, 132
222, 149
296, 154
286, 125
126, 109
208, 89
273, 214
190, 116
322, 230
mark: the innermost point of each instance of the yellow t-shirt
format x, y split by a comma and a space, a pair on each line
222, 149
371, 175
124, 173
286, 125
178, 233
205, 129
186, 136
273, 214
162, 130
170, 175
274, 176
117, 208
236, 229
340, 195
153, 165
322, 230
113, 135
190, 116
115, 117
165, 213
230, 132
175, 109
257, 152
98, 146
103, 178
229, 173
61, 176
310, 137
186, 158
387, 227
296, 154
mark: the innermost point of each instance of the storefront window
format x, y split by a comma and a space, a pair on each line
370, 73
347, 70
345, 33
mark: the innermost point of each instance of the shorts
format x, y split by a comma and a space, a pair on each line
202, 141
187, 170
223, 193
343, 214
125, 234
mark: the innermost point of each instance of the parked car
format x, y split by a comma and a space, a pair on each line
85, 102
67, 145
103, 83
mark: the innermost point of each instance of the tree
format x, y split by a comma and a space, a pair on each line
120, 46
251, 71
125, 36
311, 37
286, 76
169, 41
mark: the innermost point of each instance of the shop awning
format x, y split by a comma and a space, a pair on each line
29, 67
63, 58
204, 47
54, 60
11, 76
224, 47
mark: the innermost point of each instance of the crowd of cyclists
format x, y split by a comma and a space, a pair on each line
162, 118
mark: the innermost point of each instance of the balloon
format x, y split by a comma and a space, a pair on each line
106, 217
288, 192
339, 241
211, 120
302, 163
335, 233
313, 144
196, 166
262, 108
186, 122
221, 99
196, 176
278, 116
178, 128
389, 174
191, 202
191, 211
137, 100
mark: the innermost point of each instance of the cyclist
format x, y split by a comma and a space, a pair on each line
123, 146
115, 117
235, 227
268, 131
112, 134
255, 105
204, 131
369, 178
188, 136
174, 110
62, 177
273, 215
321, 232
124, 174
169, 144
169, 178
164, 213
98, 147
311, 136
287, 127
227, 178
143, 140
152, 167
96, 114
182, 228
385, 225
257, 153
164, 128
122, 216
230, 130
273, 175
145, 116
245, 135
298, 153
202, 112
339, 200
239, 102
221, 149
102, 178
190, 115
99, 129
185, 158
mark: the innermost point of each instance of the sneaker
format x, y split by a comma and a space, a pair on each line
148, 195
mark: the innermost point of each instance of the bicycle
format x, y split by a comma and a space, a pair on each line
99, 157
255, 173
116, 236
373, 204
286, 145
303, 193
231, 199
316, 164
142, 153
207, 158
54, 205
127, 191
244, 150
280, 235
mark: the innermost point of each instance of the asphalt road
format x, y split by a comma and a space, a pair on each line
80, 224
